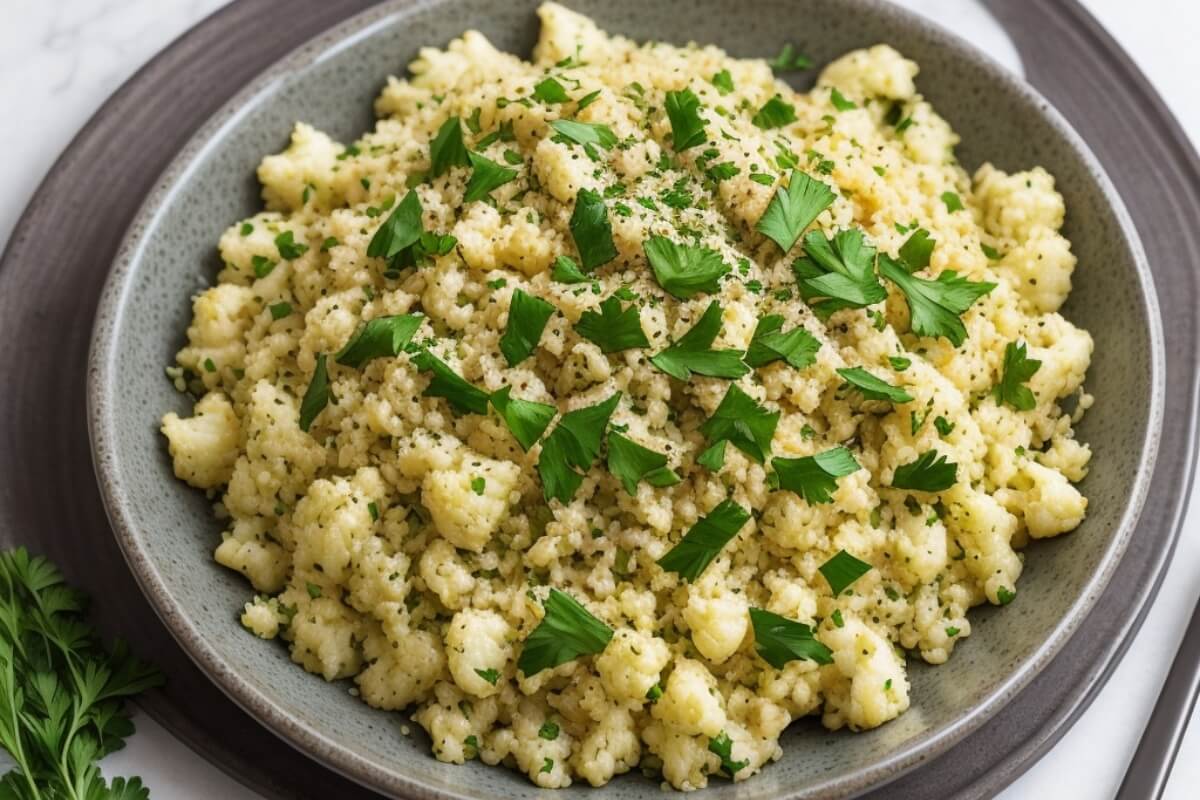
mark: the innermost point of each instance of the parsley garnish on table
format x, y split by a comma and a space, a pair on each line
61, 691
566, 632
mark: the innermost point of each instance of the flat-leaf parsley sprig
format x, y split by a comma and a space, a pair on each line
61, 691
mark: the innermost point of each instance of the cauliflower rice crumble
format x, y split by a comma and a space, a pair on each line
403, 538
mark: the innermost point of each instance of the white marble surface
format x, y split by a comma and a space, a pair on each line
59, 60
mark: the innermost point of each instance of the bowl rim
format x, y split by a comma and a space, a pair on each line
103, 399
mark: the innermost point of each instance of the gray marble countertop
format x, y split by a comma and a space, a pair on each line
60, 59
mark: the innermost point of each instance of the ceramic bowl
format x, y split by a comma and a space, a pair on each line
167, 531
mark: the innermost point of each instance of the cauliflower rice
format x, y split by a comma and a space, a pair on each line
401, 536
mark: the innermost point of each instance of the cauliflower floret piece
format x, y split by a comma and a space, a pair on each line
401, 669
262, 617
717, 615
248, 549
545, 761
468, 502
630, 664
865, 686
452, 719
754, 727
686, 760
325, 635
220, 317
1015, 205
1050, 505
446, 575
204, 447
478, 641
1040, 269
984, 529
878, 71
332, 522
611, 747
691, 703
303, 172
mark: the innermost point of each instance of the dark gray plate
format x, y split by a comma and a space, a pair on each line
47, 294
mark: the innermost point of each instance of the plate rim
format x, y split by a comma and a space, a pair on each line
310, 740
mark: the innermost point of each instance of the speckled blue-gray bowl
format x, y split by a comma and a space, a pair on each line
167, 532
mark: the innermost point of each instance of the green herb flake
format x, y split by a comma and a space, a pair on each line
740, 420
478, 485
489, 675
779, 640
373, 510
713, 458
613, 329
549, 90
382, 337
839, 101
592, 231
262, 266
314, 591
316, 397
587, 100
775, 113
931, 472
573, 445
836, 616
703, 543
585, 133
951, 631
462, 396
789, 60
525, 419
842, 570
793, 208
916, 250
565, 270
486, 175
953, 202
447, 149
289, 249
687, 128
548, 731
527, 318
684, 270
632, 463
991, 253
693, 352
815, 477
401, 230
566, 632
723, 81
280, 310
935, 306
900, 363
1004, 595
722, 746
1017, 370
798, 348
838, 273
246, 229
873, 388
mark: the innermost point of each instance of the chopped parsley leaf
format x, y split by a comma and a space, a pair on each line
775, 113
952, 631
489, 675
632, 463
262, 266
462, 395
714, 457
550, 90
815, 477
916, 250
313, 590
953, 201
779, 640
486, 175
566, 632
793, 208
687, 128
931, 472
565, 270
280, 310
547, 766
944, 426
316, 396
873, 388
992, 253
527, 318
381, 337
836, 616
723, 81
700, 545
839, 100
288, 247
744, 423
1004, 595
797, 347
548, 731
693, 352
613, 329
401, 230
789, 60
1017, 370
684, 270
573, 445
587, 100
591, 230
526, 419
722, 746
585, 133
900, 363
447, 149
842, 570
935, 306
838, 273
